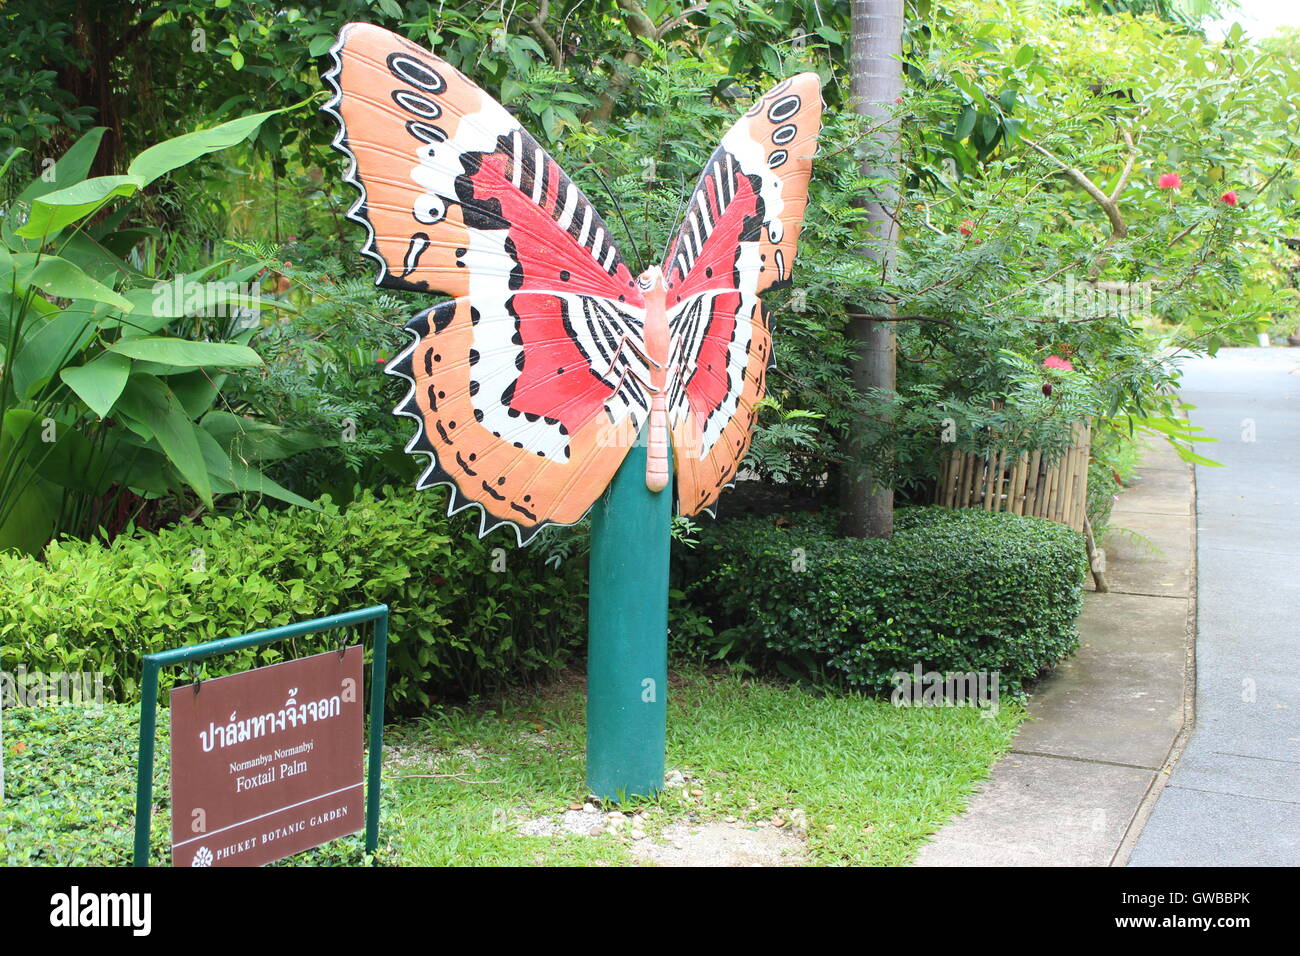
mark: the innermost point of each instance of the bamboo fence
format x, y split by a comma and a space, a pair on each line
1023, 485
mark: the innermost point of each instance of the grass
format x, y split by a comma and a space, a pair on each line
873, 780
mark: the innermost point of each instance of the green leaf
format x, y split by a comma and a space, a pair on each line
511, 90
551, 123
55, 210
49, 344
30, 520
56, 276
152, 404
143, 470
185, 353
966, 123
250, 440
69, 460
70, 168
248, 478
197, 390
13, 154
101, 264
99, 382
174, 153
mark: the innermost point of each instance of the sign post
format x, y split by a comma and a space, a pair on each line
273, 763
627, 625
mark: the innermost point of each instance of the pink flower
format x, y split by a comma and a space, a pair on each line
1170, 181
1057, 363
967, 227
1230, 197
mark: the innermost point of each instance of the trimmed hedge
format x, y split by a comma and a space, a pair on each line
955, 590
457, 625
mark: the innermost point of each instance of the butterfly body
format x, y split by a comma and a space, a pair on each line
656, 341
550, 360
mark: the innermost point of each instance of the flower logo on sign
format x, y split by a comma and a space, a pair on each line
202, 858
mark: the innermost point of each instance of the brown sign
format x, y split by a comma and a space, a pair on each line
267, 763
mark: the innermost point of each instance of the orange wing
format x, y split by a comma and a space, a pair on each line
739, 237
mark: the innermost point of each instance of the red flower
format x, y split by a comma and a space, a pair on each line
1230, 197
967, 227
1057, 363
1170, 181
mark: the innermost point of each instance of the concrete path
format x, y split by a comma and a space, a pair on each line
1234, 797
1105, 724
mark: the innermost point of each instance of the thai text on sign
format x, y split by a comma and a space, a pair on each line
268, 762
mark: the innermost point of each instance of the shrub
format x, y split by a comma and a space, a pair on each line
953, 590
457, 625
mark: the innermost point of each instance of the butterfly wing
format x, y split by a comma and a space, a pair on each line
529, 385
738, 238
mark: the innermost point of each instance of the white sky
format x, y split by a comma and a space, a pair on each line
1259, 18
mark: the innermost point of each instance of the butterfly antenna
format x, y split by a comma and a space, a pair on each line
626, 228
677, 224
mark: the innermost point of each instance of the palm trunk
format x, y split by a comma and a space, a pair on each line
877, 82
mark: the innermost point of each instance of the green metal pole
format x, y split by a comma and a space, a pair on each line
378, 682
627, 631
144, 767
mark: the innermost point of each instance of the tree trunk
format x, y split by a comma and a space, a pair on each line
877, 83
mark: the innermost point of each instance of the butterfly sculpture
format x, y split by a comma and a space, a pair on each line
534, 379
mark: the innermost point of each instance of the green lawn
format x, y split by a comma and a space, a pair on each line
872, 780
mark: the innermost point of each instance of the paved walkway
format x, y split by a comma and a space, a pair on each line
1234, 796
1105, 724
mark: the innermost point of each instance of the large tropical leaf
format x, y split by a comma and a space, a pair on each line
72, 198
55, 450
249, 440
174, 153
69, 168
152, 404
99, 382
185, 353
56, 276
65, 206
234, 475
48, 344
